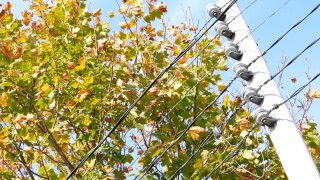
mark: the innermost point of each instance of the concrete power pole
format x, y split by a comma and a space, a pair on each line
290, 147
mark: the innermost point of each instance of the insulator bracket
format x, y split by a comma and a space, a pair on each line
241, 71
223, 29
263, 118
214, 11
250, 95
232, 50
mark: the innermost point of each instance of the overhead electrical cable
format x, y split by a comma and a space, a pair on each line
235, 111
122, 118
203, 143
264, 21
147, 168
235, 151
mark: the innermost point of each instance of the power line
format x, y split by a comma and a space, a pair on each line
188, 127
271, 78
281, 37
289, 63
122, 118
294, 94
203, 143
252, 62
234, 152
264, 21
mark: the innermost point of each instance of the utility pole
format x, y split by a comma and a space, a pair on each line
290, 147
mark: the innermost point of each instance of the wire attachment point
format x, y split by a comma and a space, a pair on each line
232, 50
241, 71
223, 29
263, 118
250, 95
214, 11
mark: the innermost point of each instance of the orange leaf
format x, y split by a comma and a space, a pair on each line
293, 80
7, 6
162, 7
195, 131
184, 59
97, 12
27, 16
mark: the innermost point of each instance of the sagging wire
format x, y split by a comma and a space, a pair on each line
240, 106
233, 79
295, 93
236, 150
122, 118
281, 37
252, 62
212, 134
264, 21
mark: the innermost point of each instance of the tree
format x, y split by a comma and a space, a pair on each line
67, 77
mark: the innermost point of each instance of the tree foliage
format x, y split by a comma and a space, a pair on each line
67, 75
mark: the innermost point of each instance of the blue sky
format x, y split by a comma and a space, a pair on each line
291, 45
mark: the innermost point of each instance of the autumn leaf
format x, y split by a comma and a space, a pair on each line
7, 6
97, 12
81, 64
184, 59
15, 54
162, 7
82, 94
4, 99
243, 123
27, 17
80, 80
221, 86
237, 100
293, 80
313, 94
195, 131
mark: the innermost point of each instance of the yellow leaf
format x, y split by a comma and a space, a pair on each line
248, 155
4, 133
82, 64
195, 131
175, 50
313, 94
22, 38
225, 101
110, 14
91, 164
216, 41
30, 116
221, 86
4, 99
45, 87
56, 79
87, 121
